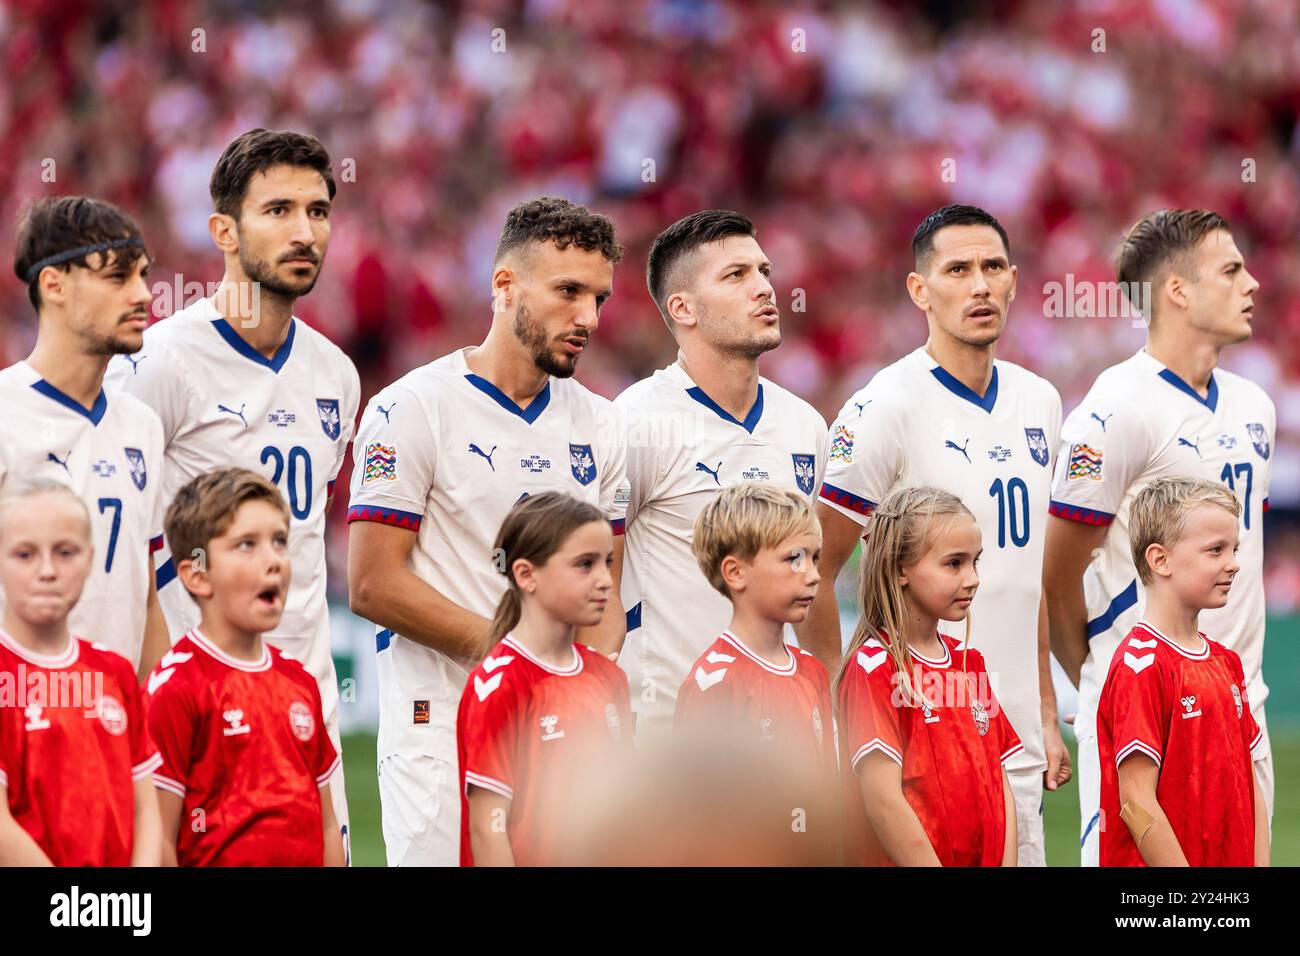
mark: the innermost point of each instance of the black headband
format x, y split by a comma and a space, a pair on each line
80, 251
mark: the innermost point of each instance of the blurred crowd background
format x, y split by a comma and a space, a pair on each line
830, 124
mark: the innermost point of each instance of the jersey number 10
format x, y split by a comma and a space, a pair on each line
1012, 512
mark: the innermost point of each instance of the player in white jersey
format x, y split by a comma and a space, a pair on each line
952, 416
705, 422
442, 455
84, 264
1168, 410
237, 380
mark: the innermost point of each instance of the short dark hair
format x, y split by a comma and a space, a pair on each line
952, 215
58, 224
558, 221
682, 238
257, 151
1160, 239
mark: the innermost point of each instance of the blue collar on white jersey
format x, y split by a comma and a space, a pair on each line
1210, 401
529, 414
274, 363
961, 390
751, 420
94, 412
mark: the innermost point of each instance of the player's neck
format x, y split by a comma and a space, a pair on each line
238, 643
763, 636
58, 359
547, 639
504, 362
1191, 359
972, 365
259, 317
730, 380
1173, 619
49, 640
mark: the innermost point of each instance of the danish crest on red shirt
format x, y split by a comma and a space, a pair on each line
1236, 699
302, 721
981, 717
817, 723
112, 715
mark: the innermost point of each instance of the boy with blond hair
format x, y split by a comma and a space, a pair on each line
245, 751
1174, 727
758, 545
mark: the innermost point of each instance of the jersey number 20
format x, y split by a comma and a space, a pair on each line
299, 473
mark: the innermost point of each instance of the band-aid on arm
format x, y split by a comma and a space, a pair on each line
1137, 820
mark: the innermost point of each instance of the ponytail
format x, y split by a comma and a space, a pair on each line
535, 528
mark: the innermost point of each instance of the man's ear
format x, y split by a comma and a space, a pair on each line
917, 290
224, 232
503, 288
680, 312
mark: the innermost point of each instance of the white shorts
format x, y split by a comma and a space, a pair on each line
1088, 773
419, 800
1027, 790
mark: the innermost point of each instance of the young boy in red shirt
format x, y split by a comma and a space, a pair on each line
1174, 727
245, 755
759, 545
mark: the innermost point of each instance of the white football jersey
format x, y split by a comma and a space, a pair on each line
1140, 422
288, 418
447, 454
916, 424
682, 450
112, 455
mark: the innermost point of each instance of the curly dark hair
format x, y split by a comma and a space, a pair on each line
550, 219
257, 151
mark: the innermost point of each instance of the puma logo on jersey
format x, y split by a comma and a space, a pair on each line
705, 680
1196, 447
491, 663
713, 657
235, 718
1102, 421
548, 726
486, 456
1138, 664
135, 362
36, 719
238, 414
484, 688
949, 443
384, 411
860, 406
701, 466
61, 462
1189, 708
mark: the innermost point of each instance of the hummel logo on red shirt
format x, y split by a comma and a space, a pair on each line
1189, 703
236, 720
36, 719
548, 724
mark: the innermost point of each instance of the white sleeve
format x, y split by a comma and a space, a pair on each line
1105, 446
347, 414
643, 432
156, 379
865, 454
394, 459
612, 443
